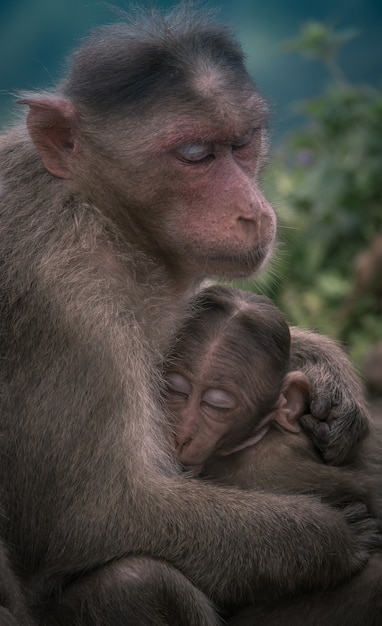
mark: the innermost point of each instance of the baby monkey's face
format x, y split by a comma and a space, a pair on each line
213, 415
216, 415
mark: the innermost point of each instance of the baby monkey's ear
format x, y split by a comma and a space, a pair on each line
293, 399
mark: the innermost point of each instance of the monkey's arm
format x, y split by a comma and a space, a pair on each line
356, 601
338, 417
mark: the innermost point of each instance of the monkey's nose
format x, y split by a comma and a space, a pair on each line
181, 444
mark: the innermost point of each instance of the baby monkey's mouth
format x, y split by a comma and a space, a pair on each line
193, 469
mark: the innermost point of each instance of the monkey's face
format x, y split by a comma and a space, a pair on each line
222, 225
180, 179
205, 212
210, 419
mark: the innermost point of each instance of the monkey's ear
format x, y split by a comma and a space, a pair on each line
293, 399
52, 125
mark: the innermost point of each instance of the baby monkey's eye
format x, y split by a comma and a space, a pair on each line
176, 383
218, 399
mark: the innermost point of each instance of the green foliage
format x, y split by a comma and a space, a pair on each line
319, 41
327, 181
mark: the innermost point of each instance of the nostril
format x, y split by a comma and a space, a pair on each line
247, 220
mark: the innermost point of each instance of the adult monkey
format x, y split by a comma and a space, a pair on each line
132, 182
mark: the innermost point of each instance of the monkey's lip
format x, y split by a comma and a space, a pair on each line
254, 255
250, 260
195, 468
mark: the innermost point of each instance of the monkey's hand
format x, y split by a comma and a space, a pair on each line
338, 417
365, 527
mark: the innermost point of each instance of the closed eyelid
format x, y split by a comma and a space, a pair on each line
178, 383
195, 151
219, 398
245, 139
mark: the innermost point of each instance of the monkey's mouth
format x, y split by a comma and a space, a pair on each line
193, 469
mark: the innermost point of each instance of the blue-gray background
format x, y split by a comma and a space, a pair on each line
36, 36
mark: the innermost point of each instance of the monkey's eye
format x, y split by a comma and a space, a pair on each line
195, 152
218, 399
244, 140
178, 384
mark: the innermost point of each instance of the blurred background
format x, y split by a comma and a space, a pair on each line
319, 63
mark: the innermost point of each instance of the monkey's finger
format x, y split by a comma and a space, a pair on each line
319, 433
317, 428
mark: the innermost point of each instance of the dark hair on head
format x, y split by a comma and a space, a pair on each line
150, 56
250, 337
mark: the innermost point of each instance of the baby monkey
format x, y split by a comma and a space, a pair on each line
237, 404
227, 377
236, 408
